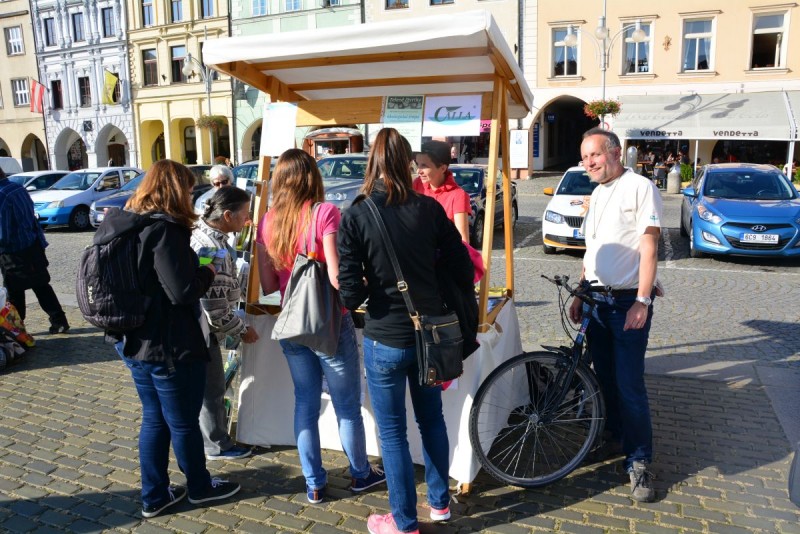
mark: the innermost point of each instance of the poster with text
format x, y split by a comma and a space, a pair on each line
452, 116
404, 114
277, 131
518, 151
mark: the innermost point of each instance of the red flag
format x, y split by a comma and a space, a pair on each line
37, 97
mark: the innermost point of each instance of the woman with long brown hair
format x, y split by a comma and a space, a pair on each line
167, 355
297, 203
420, 232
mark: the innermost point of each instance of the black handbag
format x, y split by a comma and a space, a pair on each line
440, 345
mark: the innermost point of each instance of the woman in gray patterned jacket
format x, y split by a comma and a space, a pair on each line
227, 211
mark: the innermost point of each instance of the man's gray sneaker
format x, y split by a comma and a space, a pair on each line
641, 483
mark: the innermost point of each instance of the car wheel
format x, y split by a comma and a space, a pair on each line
693, 252
547, 249
79, 218
477, 232
684, 233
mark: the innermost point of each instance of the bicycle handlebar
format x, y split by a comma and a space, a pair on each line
582, 290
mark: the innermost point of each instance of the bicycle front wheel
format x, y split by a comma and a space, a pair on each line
519, 431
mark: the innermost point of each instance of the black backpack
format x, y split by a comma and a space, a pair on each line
108, 287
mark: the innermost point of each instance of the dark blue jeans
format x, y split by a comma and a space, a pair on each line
171, 399
618, 360
388, 371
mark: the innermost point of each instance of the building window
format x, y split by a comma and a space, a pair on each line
292, 5
150, 64
769, 48
697, 41
637, 55
565, 58
108, 21
84, 92
441, 2
190, 144
55, 94
206, 8
77, 27
177, 10
14, 43
49, 32
147, 13
22, 97
177, 53
396, 4
259, 7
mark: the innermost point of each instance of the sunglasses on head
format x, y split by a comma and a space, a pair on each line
220, 183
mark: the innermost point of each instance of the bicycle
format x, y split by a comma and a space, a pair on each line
536, 416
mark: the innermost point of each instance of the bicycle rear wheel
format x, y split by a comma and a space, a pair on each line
518, 433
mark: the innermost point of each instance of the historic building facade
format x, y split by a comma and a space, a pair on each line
83, 65
22, 133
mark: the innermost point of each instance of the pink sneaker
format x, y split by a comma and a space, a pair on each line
440, 515
384, 524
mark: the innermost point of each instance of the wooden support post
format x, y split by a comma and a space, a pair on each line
253, 289
508, 228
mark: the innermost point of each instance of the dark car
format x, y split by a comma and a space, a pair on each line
202, 181
97, 211
472, 179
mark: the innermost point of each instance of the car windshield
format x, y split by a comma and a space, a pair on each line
576, 183
468, 179
346, 168
18, 179
76, 181
133, 184
748, 184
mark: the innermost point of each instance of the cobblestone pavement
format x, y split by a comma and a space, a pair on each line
723, 361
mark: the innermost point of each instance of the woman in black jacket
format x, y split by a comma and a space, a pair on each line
167, 355
420, 233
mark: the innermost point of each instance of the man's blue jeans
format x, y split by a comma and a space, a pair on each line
171, 398
618, 360
388, 370
343, 374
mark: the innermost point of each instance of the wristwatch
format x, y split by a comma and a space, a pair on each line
647, 301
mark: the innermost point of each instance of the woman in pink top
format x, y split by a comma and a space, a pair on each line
296, 187
434, 179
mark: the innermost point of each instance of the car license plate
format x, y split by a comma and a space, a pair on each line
577, 234
760, 238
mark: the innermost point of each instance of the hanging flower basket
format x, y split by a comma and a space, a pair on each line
598, 108
210, 122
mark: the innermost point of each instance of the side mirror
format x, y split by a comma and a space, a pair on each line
549, 191
689, 192
31, 188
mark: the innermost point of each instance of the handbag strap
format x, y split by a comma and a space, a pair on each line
402, 286
314, 210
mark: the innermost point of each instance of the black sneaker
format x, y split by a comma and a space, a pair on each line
641, 483
236, 452
376, 476
59, 328
219, 489
176, 494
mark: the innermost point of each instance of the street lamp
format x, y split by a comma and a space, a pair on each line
604, 44
205, 74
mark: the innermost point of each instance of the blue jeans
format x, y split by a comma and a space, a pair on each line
171, 398
388, 370
618, 360
343, 373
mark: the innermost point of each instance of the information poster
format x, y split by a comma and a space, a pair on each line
277, 132
518, 151
404, 114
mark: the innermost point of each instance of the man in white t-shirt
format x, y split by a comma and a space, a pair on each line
622, 228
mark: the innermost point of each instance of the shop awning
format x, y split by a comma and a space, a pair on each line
742, 116
794, 105
441, 54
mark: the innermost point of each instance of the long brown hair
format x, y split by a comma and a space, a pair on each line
389, 160
166, 188
296, 186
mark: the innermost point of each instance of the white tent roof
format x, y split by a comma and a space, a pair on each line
744, 116
441, 54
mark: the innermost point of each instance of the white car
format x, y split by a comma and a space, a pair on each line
562, 221
68, 200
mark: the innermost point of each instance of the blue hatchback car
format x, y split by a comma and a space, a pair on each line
741, 209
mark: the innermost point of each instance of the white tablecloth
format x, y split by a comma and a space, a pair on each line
266, 396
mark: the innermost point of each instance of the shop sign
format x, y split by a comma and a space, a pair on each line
536, 140
452, 116
550, 117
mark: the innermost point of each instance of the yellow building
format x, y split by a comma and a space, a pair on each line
169, 91
710, 78
22, 134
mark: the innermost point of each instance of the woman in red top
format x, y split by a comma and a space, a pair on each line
434, 179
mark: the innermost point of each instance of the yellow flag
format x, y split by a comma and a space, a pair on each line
109, 85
